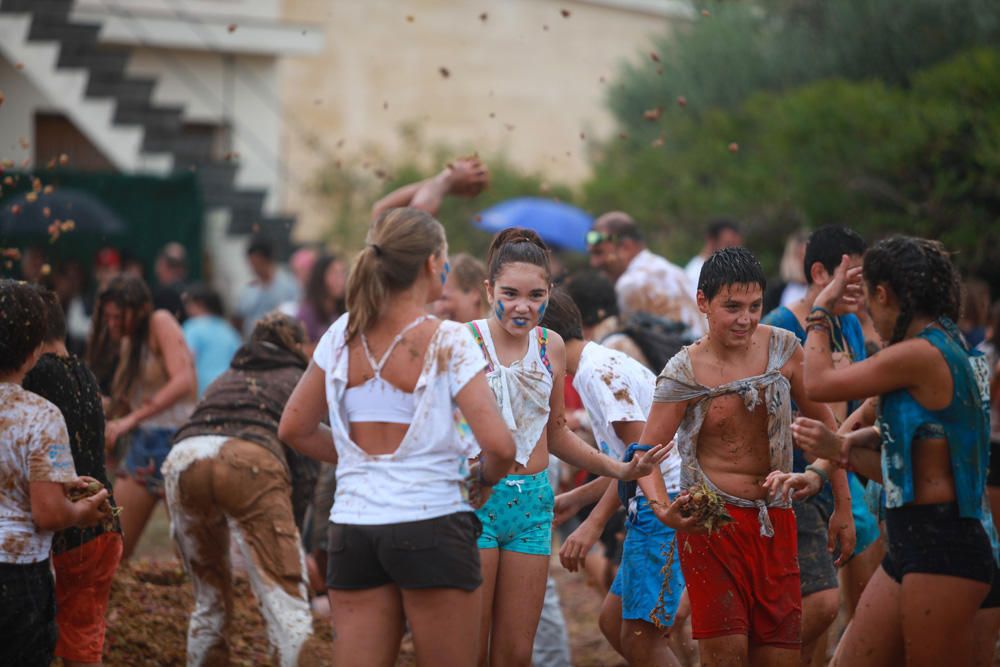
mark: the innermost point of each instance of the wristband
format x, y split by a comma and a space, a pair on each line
819, 472
821, 309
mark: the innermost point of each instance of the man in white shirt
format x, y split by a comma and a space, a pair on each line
644, 282
720, 233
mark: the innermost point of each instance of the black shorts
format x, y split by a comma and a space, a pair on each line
934, 539
816, 569
27, 614
993, 472
992, 600
434, 553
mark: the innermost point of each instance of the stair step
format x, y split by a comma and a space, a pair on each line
44, 28
188, 150
49, 8
125, 90
166, 119
216, 178
104, 59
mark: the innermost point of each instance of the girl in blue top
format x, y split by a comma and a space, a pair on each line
929, 447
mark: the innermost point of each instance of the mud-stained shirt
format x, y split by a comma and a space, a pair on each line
34, 447
616, 388
653, 285
677, 383
423, 478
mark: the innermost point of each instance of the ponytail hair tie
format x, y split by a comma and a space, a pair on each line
376, 248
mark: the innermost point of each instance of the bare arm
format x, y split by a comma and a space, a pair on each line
397, 198
301, 426
169, 339
577, 545
479, 408
569, 503
52, 510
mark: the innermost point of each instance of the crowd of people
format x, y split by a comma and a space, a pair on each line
745, 475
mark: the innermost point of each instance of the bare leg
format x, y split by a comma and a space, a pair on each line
137, 505
937, 614
987, 625
367, 626
445, 625
596, 566
875, 637
610, 622
489, 562
854, 576
818, 611
728, 651
517, 606
772, 656
645, 646
685, 648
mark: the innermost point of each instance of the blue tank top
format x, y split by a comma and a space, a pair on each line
965, 423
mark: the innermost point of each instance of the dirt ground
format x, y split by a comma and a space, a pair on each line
151, 601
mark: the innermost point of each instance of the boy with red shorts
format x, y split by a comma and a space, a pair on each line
726, 400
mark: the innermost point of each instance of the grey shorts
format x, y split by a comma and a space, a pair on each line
816, 567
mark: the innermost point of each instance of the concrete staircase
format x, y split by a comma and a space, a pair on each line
89, 82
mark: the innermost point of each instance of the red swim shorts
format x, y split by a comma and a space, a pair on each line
83, 585
741, 583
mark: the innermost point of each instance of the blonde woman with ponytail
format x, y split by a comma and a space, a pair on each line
395, 383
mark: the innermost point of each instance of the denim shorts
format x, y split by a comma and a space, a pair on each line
639, 581
934, 539
518, 516
147, 449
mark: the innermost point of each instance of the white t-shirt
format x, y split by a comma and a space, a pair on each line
34, 447
653, 285
616, 388
423, 478
693, 273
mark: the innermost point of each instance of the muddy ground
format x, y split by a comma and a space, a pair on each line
151, 601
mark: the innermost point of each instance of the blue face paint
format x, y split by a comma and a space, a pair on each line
444, 275
499, 310
541, 311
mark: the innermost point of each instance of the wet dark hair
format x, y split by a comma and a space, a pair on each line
517, 245
594, 295
206, 296
719, 225
562, 315
22, 323
730, 266
920, 274
55, 318
282, 331
261, 245
827, 245
131, 295
316, 293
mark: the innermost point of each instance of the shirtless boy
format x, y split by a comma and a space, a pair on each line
726, 400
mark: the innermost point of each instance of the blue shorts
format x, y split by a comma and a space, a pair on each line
639, 581
147, 449
518, 516
865, 523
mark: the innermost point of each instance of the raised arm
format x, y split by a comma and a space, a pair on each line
301, 426
463, 177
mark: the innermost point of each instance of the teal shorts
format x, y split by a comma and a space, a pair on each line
639, 582
518, 516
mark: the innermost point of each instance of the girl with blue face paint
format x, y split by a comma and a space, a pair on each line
526, 369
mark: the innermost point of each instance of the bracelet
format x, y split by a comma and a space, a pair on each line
819, 472
481, 479
821, 309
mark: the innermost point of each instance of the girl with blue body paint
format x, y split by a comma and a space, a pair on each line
526, 368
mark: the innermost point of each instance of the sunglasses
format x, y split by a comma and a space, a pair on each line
594, 237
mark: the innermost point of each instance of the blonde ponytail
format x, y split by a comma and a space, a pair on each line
397, 246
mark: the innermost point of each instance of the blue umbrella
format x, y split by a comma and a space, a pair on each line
559, 225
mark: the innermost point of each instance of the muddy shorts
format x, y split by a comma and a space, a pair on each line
83, 585
27, 614
518, 516
147, 449
433, 553
934, 539
741, 583
639, 582
817, 571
